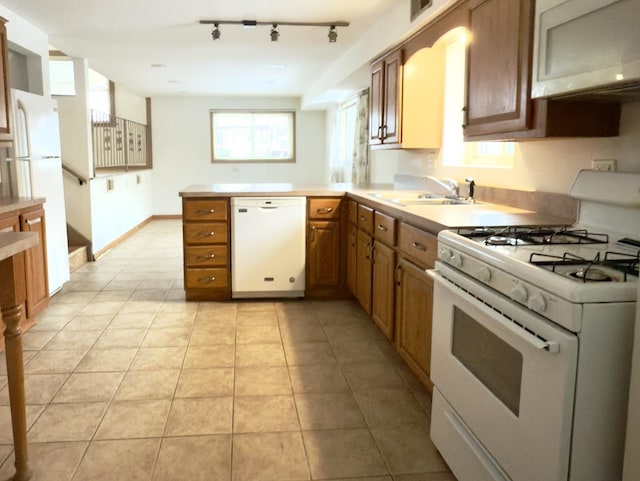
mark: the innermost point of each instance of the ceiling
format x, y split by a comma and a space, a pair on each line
123, 38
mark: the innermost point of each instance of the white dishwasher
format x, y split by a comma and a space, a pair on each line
268, 246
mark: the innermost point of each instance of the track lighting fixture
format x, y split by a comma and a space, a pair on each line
333, 34
215, 33
275, 33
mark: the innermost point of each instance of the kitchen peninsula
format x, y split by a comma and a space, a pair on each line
361, 242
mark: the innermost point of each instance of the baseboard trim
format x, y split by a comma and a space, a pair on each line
96, 255
167, 217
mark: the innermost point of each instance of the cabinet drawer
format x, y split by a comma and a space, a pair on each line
217, 255
352, 211
205, 233
324, 208
384, 228
418, 244
205, 209
206, 278
365, 218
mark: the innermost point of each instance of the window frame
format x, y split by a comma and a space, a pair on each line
289, 112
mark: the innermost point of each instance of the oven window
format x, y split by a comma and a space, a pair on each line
494, 362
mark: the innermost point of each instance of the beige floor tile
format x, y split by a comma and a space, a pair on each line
130, 459
6, 433
169, 337
84, 322
260, 355
106, 360
3, 381
321, 378
157, 384
196, 416
254, 414
269, 456
158, 358
111, 295
342, 453
103, 307
255, 305
71, 297
216, 318
36, 340
121, 338
173, 319
54, 361
372, 375
357, 352
302, 331
328, 411
50, 323
67, 422
139, 320
201, 458
205, 382
350, 332
133, 306
258, 381
74, 340
62, 309
175, 302
408, 449
134, 419
257, 334
211, 335
390, 407
39, 388
50, 461
117, 285
222, 355
425, 477
89, 387
257, 318
5, 452
305, 354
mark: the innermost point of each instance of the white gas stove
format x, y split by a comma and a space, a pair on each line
532, 334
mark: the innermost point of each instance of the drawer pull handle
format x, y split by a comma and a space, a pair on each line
325, 210
204, 258
383, 228
418, 246
204, 280
205, 211
207, 233
364, 218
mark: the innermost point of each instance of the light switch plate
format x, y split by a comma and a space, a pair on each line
608, 165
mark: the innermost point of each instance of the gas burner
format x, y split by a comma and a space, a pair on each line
519, 236
499, 240
591, 274
477, 232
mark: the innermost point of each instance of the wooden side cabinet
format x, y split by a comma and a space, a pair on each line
36, 262
386, 100
206, 237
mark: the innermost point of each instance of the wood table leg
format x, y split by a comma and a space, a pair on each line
12, 295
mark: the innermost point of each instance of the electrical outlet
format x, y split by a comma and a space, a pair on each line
608, 165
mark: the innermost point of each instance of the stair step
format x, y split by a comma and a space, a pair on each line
78, 256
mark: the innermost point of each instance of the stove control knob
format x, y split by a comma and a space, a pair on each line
519, 293
456, 260
537, 303
484, 274
445, 253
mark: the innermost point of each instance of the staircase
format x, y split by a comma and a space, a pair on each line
78, 249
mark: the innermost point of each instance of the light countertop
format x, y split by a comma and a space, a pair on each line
430, 217
8, 204
12, 243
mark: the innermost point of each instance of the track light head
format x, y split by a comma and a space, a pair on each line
274, 33
215, 33
333, 34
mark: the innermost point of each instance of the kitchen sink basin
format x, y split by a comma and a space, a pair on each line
410, 198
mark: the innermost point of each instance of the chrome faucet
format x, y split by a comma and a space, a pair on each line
449, 186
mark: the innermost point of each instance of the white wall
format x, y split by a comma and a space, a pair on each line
115, 212
182, 147
130, 106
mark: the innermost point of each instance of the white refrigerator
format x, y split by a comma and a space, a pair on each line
37, 172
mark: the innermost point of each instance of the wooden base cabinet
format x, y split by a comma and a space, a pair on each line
383, 296
352, 258
36, 263
364, 270
414, 304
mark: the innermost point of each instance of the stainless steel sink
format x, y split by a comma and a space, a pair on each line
411, 198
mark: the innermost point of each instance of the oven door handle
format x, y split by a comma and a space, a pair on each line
510, 326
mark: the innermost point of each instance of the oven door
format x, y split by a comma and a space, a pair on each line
509, 377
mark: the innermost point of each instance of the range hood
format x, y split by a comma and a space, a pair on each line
587, 50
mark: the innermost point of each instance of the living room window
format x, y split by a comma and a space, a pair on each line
252, 136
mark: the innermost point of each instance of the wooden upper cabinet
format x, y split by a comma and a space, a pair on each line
5, 107
498, 66
386, 100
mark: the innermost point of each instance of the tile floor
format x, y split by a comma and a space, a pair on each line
127, 381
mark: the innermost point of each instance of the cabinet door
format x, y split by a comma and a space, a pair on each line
5, 124
376, 103
498, 66
352, 262
392, 97
383, 298
36, 263
10, 223
364, 270
414, 302
323, 255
